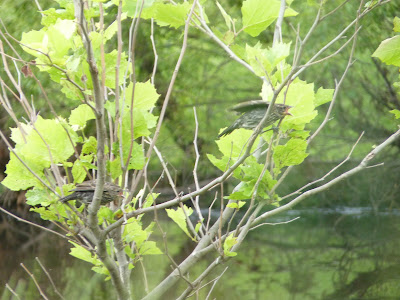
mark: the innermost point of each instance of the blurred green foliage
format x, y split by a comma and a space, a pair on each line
210, 81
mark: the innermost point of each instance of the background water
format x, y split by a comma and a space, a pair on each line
337, 253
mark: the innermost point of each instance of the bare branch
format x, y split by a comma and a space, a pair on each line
50, 279
35, 281
363, 165
33, 224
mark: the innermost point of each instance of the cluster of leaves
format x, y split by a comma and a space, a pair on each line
44, 145
304, 100
47, 143
133, 234
389, 53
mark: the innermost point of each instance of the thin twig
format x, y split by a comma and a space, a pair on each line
363, 165
12, 291
35, 281
49, 277
273, 224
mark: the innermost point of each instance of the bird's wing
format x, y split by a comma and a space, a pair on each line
89, 186
250, 105
85, 186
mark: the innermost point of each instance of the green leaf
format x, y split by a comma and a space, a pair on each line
250, 171
389, 51
38, 152
51, 16
90, 146
238, 50
168, 14
18, 177
46, 213
396, 113
396, 24
145, 98
130, 7
80, 115
105, 214
137, 159
151, 197
78, 172
110, 61
301, 96
233, 145
83, 254
114, 167
259, 14
142, 122
149, 248
38, 196
227, 18
223, 164
229, 242
179, 217
236, 205
299, 134
292, 153
265, 60
323, 96
55, 40
133, 231
101, 270
198, 226
228, 37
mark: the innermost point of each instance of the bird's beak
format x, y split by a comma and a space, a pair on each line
286, 112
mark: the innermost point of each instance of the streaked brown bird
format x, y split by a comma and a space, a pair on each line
253, 112
84, 193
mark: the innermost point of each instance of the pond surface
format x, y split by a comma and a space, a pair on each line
340, 253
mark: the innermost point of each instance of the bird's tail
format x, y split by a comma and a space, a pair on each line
67, 198
226, 131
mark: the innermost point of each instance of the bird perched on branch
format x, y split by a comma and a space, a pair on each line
84, 192
253, 112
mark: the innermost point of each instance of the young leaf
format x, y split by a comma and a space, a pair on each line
301, 96
323, 96
168, 14
292, 153
55, 40
230, 241
146, 95
265, 60
37, 196
149, 248
179, 217
110, 59
83, 254
80, 115
133, 231
389, 51
38, 152
396, 113
259, 14
227, 18
396, 24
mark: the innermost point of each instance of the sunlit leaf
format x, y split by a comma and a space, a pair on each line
292, 153
389, 51
229, 242
259, 14
179, 217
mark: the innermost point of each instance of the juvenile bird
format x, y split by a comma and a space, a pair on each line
253, 112
84, 192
